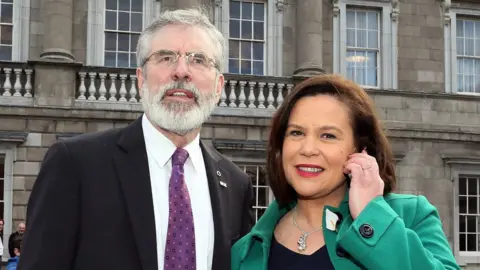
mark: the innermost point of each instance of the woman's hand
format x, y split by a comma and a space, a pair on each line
366, 183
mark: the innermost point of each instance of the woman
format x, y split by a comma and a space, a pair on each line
331, 170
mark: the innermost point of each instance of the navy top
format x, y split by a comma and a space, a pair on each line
282, 258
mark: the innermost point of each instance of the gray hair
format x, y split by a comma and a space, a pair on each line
192, 17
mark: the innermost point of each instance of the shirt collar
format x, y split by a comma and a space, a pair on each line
162, 148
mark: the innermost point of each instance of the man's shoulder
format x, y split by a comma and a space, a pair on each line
228, 165
88, 140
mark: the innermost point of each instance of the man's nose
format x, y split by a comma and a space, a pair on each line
181, 71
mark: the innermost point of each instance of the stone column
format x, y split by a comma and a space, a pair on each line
181, 4
58, 30
309, 38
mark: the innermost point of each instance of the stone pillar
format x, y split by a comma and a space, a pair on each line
58, 30
309, 38
182, 4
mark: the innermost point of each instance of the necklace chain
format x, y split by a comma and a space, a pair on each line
302, 241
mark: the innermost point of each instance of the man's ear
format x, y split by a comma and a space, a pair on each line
140, 80
220, 85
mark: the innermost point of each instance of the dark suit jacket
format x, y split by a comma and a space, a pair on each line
91, 206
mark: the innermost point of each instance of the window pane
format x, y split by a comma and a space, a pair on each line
6, 34
258, 12
124, 5
258, 30
460, 28
110, 41
471, 224
460, 46
462, 204
246, 67
234, 9
477, 47
233, 66
462, 186
110, 59
472, 186
234, 28
133, 60
234, 49
469, 46
472, 205
123, 60
258, 51
111, 4
111, 20
361, 38
123, 42
350, 19
361, 20
6, 13
123, 21
372, 20
471, 242
360, 75
469, 29
137, 5
460, 85
133, 42
6, 53
463, 246
351, 37
246, 48
136, 22
373, 39
247, 29
262, 196
246, 10
258, 70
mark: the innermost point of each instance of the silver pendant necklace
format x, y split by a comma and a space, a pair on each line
302, 241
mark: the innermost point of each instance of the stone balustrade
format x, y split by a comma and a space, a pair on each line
16, 80
114, 88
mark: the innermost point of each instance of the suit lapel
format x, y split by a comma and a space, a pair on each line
132, 167
218, 184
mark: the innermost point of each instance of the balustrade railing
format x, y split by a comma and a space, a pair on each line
113, 87
16, 80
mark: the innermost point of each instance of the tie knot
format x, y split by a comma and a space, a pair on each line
179, 156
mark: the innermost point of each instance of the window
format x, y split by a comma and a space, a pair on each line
246, 43
2, 181
262, 194
14, 25
123, 25
363, 36
464, 167
114, 27
462, 51
469, 214
252, 49
7, 151
365, 42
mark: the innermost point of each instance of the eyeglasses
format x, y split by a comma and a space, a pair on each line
168, 58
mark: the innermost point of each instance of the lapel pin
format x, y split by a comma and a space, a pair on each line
219, 173
223, 184
331, 220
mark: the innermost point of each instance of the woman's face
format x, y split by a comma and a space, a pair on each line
318, 140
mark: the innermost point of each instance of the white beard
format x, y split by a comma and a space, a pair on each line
176, 116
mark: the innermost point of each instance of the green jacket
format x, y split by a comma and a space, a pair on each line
406, 233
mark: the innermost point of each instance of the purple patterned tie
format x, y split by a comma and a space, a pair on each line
180, 246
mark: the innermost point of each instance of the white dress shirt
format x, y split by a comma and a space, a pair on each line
159, 152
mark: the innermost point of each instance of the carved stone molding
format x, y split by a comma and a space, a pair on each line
446, 5
218, 3
395, 10
336, 8
280, 4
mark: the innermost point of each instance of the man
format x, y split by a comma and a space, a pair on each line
20, 231
17, 246
124, 199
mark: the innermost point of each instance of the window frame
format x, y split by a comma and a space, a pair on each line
21, 30
96, 28
273, 53
461, 164
387, 76
450, 32
7, 152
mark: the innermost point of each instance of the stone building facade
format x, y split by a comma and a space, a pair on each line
67, 67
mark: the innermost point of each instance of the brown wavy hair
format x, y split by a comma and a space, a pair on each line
367, 129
